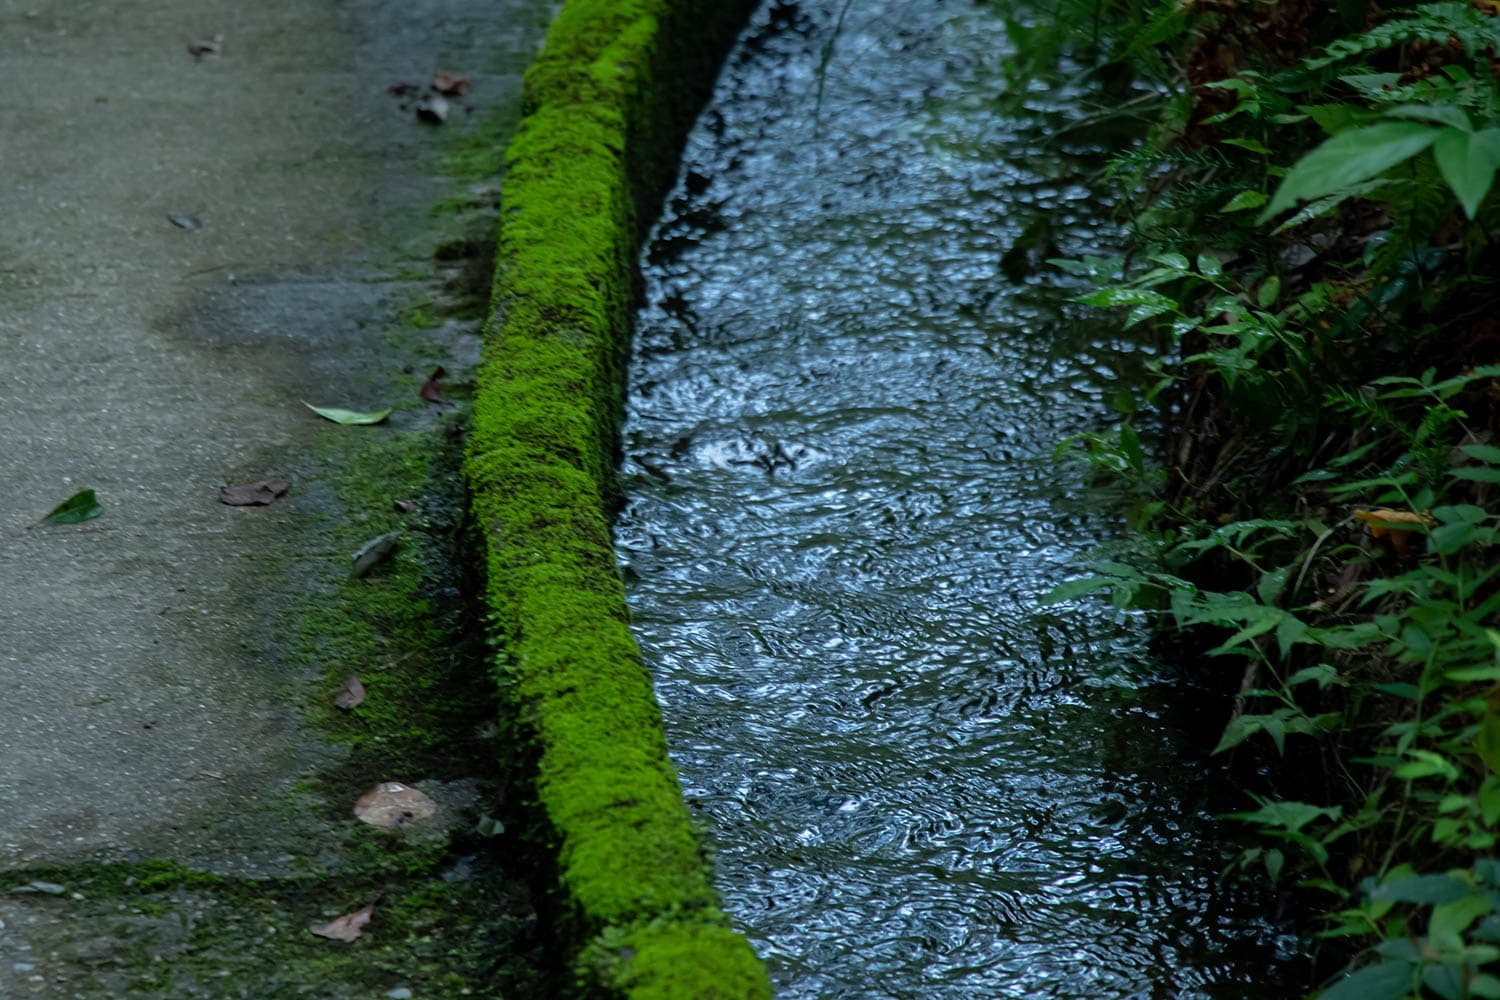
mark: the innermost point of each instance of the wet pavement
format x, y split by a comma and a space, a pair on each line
191, 245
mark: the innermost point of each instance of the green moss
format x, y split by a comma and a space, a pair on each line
440, 936
664, 959
606, 106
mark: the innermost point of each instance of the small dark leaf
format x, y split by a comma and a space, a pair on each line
431, 390
79, 507
256, 494
206, 47
185, 221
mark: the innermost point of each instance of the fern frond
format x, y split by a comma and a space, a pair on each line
1436, 23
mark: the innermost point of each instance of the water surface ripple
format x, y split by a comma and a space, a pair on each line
842, 508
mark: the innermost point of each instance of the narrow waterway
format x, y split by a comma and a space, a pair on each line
842, 509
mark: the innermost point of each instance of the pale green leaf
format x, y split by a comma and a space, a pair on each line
1468, 161
1175, 261
1483, 452
1477, 474
1249, 198
1450, 920
1250, 144
1443, 114
1071, 589
1433, 890
1349, 158
1386, 981
339, 416
1269, 290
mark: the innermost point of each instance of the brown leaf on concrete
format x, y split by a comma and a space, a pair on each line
451, 84
431, 391
391, 803
351, 695
349, 927
256, 494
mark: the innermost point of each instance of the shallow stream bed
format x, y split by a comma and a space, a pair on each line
842, 509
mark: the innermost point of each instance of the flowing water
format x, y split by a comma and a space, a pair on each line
842, 509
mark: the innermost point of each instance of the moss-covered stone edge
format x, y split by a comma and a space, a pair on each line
606, 106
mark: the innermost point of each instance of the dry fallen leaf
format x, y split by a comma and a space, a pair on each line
451, 84
1385, 522
431, 391
391, 803
346, 928
256, 494
351, 695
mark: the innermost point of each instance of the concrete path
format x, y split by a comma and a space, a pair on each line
189, 247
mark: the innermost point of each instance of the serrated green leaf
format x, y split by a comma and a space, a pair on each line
1323, 674
1426, 765
1482, 452
1175, 261
1386, 981
1070, 589
1477, 473
1349, 158
348, 417
1462, 513
1431, 890
1450, 920
1468, 161
1443, 114
81, 506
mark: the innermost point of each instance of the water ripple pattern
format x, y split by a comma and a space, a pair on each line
842, 509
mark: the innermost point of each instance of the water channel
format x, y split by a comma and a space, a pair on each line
842, 509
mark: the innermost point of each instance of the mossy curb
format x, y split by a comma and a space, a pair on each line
606, 105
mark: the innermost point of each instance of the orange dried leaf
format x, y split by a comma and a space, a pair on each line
1387, 523
348, 927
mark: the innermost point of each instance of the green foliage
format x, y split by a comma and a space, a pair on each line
1350, 590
